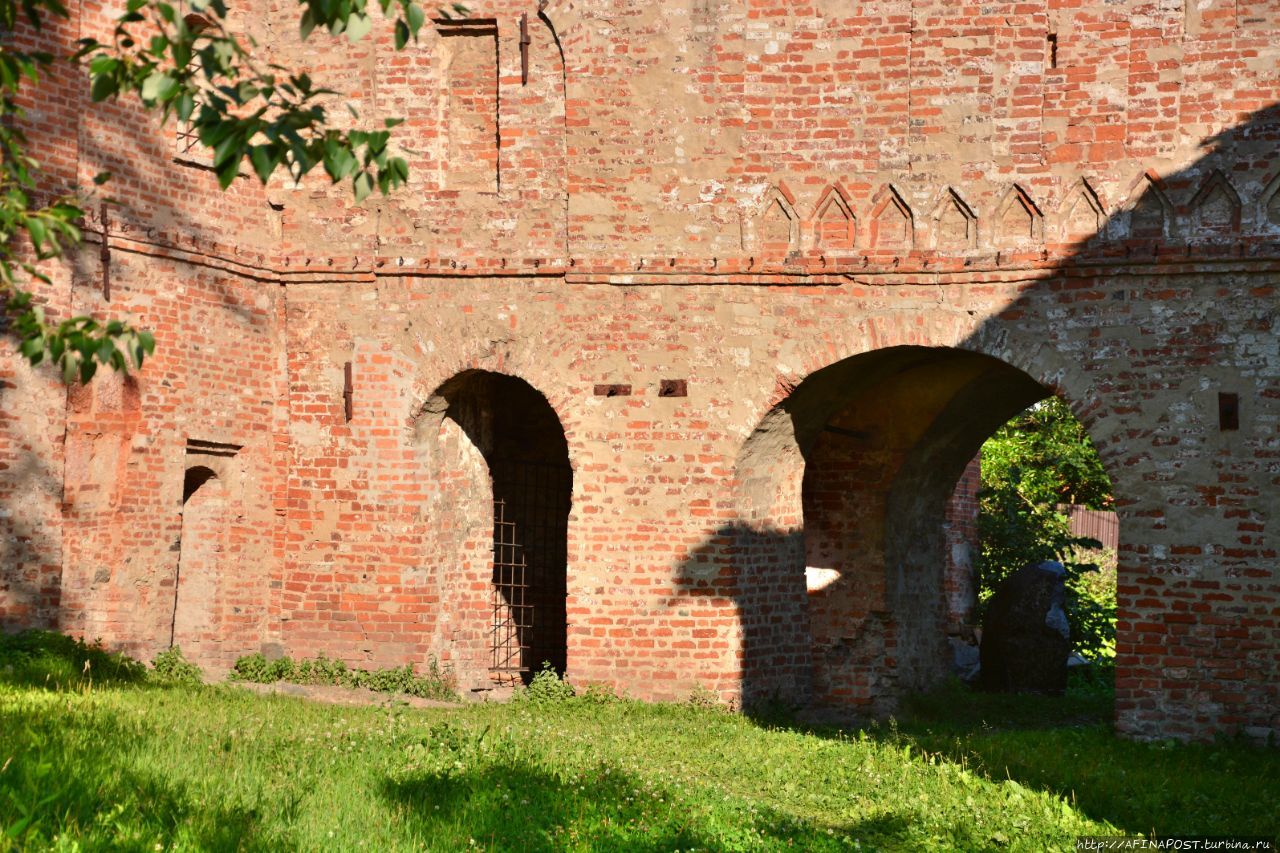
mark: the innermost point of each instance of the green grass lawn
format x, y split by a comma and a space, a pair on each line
123, 762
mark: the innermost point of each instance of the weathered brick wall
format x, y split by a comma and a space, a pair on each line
664, 614
959, 583
93, 489
212, 398
892, 224
33, 403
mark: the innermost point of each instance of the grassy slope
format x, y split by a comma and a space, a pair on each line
135, 765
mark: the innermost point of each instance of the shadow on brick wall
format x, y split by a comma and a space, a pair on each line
1141, 326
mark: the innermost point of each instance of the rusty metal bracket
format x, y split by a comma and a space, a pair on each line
104, 253
348, 392
525, 41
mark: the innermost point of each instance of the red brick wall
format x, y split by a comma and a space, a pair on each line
669, 180
962, 544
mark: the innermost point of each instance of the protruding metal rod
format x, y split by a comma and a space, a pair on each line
104, 252
525, 41
348, 392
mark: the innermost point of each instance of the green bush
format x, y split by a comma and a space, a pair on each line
437, 682
1038, 460
257, 669
170, 665
1091, 603
547, 687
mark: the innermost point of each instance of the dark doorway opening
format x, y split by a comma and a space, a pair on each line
524, 446
530, 526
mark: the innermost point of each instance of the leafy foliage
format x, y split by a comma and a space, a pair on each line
436, 683
171, 665
77, 345
187, 67
264, 117
1045, 455
1036, 461
546, 687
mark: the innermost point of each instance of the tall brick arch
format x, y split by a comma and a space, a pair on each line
496, 454
842, 491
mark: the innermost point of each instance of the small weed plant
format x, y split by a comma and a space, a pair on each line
170, 665
599, 694
547, 687
436, 682
706, 698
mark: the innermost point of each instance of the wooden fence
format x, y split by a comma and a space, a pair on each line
1099, 524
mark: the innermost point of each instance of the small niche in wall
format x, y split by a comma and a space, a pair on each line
202, 562
1228, 412
468, 59
673, 388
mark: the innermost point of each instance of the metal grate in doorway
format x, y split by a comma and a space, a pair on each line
530, 527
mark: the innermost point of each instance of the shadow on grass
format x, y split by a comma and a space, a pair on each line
1067, 746
45, 660
515, 804
73, 774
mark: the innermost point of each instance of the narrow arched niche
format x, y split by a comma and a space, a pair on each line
198, 574
195, 477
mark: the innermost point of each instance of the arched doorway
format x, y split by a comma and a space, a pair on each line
524, 447
850, 477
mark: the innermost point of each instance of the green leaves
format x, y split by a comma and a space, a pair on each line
352, 17
358, 26
246, 114
1039, 459
158, 87
78, 345
363, 186
198, 71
